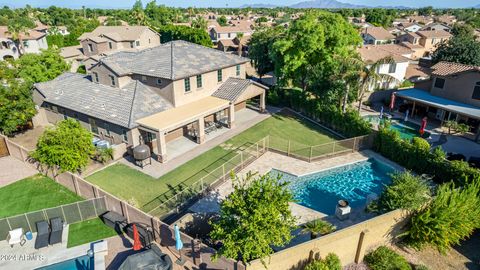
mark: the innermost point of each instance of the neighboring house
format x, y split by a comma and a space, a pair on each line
129, 99
232, 45
73, 55
398, 21
400, 55
430, 39
32, 42
446, 19
377, 35
424, 20
452, 93
218, 33
51, 30
363, 25
409, 27
437, 27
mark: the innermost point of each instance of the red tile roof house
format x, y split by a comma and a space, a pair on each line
377, 35
33, 42
452, 93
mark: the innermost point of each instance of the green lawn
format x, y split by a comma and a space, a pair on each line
33, 193
128, 183
88, 231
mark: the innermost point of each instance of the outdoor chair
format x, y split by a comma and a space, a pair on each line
56, 225
16, 237
42, 234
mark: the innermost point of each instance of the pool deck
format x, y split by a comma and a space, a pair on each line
270, 160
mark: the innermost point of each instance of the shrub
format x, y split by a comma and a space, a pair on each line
331, 262
420, 267
406, 191
384, 258
318, 227
452, 216
103, 155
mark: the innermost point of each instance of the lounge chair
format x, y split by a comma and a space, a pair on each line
16, 237
42, 234
56, 225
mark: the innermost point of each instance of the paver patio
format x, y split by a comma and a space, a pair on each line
12, 169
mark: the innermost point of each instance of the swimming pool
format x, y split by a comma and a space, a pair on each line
354, 182
81, 263
407, 130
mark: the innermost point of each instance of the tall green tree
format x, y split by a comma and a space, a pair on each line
47, 65
67, 147
222, 20
181, 32
260, 48
253, 218
462, 48
200, 23
16, 106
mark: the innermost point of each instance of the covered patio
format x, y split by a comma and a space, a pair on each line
441, 109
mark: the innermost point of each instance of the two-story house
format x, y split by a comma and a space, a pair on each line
32, 42
153, 96
452, 93
423, 42
377, 35
230, 31
400, 56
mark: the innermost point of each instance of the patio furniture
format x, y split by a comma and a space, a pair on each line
152, 258
56, 225
342, 210
114, 220
145, 232
16, 237
42, 234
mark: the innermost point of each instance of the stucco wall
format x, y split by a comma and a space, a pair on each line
346, 243
164, 89
34, 46
458, 88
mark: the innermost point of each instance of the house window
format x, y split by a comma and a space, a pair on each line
110, 45
90, 47
238, 70
112, 79
124, 135
159, 81
137, 43
476, 91
392, 68
219, 75
228, 35
149, 41
25, 44
199, 81
439, 83
93, 125
95, 76
433, 41
187, 84
144, 78
107, 129
132, 44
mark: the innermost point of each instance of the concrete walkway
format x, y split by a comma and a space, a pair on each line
12, 170
158, 169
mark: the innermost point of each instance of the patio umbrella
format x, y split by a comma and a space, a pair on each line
381, 113
392, 101
423, 126
137, 245
178, 242
406, 116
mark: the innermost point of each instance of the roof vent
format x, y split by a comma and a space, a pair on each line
103, 106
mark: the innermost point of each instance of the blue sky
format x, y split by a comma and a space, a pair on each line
232, 3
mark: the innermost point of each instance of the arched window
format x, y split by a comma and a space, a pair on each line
476, 91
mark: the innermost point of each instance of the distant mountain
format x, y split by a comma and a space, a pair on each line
325, 4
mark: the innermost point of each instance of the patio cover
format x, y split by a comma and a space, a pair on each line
439, 102
182, 115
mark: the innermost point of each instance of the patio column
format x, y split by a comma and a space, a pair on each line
413, 109
231, 116
201, 131
262, 102
161, 147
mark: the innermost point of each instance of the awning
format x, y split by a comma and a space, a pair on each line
182, 115
439, 102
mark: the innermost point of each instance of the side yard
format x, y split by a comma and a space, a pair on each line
140, 189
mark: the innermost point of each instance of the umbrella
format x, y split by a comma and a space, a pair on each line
392, 101
406, 116
423, 126
381, 113
137, 245
178, 243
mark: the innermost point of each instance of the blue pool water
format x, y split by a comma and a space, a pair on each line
80, 263
407, 130
321, 191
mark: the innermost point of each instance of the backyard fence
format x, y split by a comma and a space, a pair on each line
194, 251
314, 153
180, 195
70, 213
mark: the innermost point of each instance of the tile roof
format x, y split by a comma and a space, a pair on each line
172, 60
373, 53
233, 88
434, 34
121, 106
449, 68
117, 33
71, 51
378, 33
32, 34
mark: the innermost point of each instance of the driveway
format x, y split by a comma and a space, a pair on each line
12, 169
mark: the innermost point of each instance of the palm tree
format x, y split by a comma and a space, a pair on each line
239, 38
318, 227
347, 72
17, 31
199, 23
369, 77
